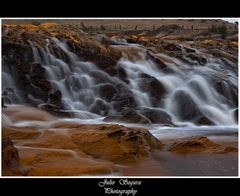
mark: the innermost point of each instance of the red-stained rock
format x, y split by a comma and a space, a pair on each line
10, 159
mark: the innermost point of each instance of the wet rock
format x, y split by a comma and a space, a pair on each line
105, 40
55, 109
55, 97
186, 107
82, 149
198, 144
221, 54
230, 149
203, 120
93, 51
190, 50
156, 60
141, 115
10, 159
172, 47
106, 91
5, 100
154, 88
188, 110
43, 84
192, 145
156, 116
116, 143
235, 112
227, 90
99, 107
117, 71
100, 76
129, 117
37, 70
200, 59
3, 104
124, 98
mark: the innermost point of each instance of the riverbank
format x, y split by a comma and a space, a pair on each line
48, 146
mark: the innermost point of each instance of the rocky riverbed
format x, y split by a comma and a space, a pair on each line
139, 102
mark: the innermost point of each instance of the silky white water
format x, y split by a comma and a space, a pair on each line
80, 89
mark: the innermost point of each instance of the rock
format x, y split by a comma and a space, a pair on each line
221, 54
55, 97
200, 59
105, 40
117, 71
190, 50
99, 107
129, 117
203, 120
81, 148
106, 91
30, 75
172, 47
116, 143
156, 60
227, 90
156, 116
37, 69
92, 50
142, 116
186, 107
124, 98
198, 144
192, 145
154, 88
236, 114
3, 104
188, 110
230, 149
100, 76
10, 159
56, 110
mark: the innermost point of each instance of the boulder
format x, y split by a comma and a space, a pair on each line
203, 120
188, 110
235, 112
10, 159
3, 104
198, 144
55, 97
153, 87
156, 60
229, 91
195, 57
116, 71
99, 107
130, 116
106, 91
171, 47
115, 142
81, 149
192, 145
37, 70
156, 116
124, 98
100, 76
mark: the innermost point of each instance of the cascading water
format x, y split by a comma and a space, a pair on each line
185, 85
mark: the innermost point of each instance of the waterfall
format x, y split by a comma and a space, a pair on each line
87, 88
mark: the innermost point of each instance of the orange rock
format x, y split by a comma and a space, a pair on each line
10, 159
70, 148
197, 144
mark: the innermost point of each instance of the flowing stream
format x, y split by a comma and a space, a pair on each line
185, 85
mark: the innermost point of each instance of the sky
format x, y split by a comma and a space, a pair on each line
231, 19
